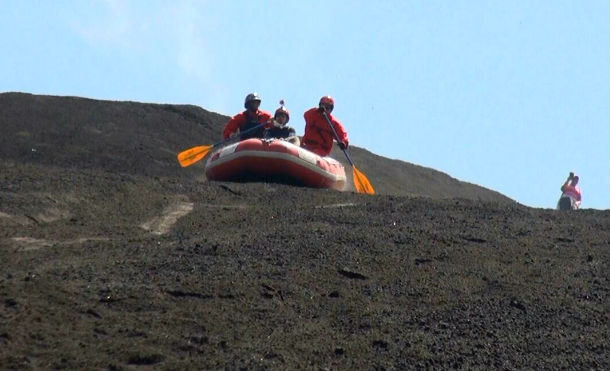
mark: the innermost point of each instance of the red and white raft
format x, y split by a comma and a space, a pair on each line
274, 160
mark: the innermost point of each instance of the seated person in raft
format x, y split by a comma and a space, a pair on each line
279, 128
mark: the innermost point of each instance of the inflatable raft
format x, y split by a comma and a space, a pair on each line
274, 160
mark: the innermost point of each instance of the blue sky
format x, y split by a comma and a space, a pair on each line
510, 95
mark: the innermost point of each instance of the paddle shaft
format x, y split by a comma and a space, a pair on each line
349, 158
238, 135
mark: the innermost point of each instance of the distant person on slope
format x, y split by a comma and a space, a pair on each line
279, 127
571, 196
318, 136
248, 119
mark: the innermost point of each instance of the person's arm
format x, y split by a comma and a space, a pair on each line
566, 184
233, 126
294, 140
267, 118
341, 132
308, 116
308, 122
292, 136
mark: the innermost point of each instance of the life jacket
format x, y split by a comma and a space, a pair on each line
252, 120
279, 132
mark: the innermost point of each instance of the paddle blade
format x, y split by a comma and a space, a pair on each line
361, 182
192, 155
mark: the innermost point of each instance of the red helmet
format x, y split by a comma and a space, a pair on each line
327, 100
283, 110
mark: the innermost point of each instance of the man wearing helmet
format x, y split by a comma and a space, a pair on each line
319, 136
571, 194
279, 127
248, 119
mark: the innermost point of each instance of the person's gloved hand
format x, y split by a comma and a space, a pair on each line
234, 134
342, 145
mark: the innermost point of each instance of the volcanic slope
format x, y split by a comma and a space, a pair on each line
141, 138
111, 259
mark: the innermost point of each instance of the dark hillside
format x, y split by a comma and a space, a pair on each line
125, 137
145, 138
394, 177
114, 258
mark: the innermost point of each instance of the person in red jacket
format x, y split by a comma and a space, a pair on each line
248, 119
318, 137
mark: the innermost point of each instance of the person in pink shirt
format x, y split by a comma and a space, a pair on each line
571, 195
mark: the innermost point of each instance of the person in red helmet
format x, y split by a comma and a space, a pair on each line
248, 119
571, 194
318, 137
279, 127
